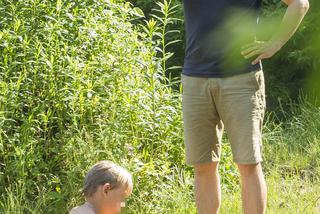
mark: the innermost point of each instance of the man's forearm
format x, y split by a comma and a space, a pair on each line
290, 22
295, 12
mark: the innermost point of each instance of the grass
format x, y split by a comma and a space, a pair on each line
286, 194
80, 83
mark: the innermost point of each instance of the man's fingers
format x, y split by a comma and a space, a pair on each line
257, 43
248, 45
253, 53
248, 50
260, 57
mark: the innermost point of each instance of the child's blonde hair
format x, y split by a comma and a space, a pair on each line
107, 172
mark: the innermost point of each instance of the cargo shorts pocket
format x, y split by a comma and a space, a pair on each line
260, 93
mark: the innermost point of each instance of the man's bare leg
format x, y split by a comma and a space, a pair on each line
254, 188
207, 188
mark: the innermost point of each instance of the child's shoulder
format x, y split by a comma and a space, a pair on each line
83, 209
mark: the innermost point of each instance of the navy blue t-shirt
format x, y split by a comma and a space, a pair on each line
215, 32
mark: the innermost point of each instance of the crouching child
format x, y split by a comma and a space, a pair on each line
106, 186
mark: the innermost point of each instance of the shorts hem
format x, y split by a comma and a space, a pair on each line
248, 161
192, 163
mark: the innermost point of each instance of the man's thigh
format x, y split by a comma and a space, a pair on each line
202, 125
241, 106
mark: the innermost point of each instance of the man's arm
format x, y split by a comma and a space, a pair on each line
295, 12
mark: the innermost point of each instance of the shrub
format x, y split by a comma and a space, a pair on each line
78, 84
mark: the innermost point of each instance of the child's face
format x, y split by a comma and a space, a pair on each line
112, 200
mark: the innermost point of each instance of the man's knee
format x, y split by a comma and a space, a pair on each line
250, 169
206, 168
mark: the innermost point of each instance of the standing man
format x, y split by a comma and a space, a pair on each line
223, 87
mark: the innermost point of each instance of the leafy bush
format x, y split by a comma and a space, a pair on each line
79, 84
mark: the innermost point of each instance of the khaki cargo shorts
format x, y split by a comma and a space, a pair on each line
210, 105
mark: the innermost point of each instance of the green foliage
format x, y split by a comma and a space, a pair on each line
167, 12
296, 139
169, 16
79, 84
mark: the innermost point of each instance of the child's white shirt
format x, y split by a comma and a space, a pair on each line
86, 208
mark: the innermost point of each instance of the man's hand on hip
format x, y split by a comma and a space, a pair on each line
261, 49
296, 10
